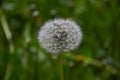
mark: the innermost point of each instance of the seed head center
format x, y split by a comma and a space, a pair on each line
60, 36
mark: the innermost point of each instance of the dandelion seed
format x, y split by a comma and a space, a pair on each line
59, 35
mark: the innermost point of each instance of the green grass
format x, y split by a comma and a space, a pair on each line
22, 58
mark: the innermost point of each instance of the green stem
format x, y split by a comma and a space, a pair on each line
9, 37
61, 67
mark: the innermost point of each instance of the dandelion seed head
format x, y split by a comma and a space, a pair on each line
59, 35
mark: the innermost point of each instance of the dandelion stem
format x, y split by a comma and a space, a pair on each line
61, 67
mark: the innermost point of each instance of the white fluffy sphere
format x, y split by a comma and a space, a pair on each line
59, 35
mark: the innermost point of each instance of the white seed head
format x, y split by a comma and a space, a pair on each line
59, 35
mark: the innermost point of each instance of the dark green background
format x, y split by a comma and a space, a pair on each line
22, 58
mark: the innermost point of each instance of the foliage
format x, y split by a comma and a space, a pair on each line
22, 58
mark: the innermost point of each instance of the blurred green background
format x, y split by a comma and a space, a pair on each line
22, 58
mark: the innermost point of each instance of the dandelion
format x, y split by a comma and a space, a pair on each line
59, 35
